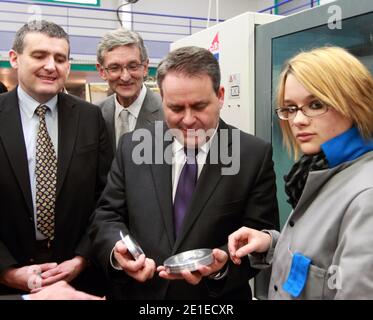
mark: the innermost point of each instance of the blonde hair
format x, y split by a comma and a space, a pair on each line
336, 78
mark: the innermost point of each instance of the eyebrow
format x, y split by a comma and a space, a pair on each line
123, 64
39, 51
197, 103
174, 105
309, 97
46, 52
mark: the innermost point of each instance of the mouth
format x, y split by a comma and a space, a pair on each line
190, 131
125, 85
304, 136
47, 78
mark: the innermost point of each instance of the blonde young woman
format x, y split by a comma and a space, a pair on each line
325, 250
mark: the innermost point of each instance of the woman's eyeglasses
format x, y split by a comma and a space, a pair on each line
311, 110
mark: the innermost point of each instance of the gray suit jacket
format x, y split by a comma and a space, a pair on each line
151, 111
332, 225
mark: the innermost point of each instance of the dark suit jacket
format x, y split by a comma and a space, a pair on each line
138, 199
151, 110
84, 158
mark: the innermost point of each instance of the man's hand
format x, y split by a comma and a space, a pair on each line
245, 241
26, 278
140, 269
195, 277
61, 290
67, 270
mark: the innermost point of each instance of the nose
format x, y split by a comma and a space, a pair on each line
189, 117
125, 75
50, 64
300, 119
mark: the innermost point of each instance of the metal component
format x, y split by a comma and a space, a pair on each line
189, 260
132, 245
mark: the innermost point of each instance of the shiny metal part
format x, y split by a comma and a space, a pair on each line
189, 260
132, 245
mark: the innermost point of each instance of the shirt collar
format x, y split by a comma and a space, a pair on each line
346, 147
28, 104
134, 108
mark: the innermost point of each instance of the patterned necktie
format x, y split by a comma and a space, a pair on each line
123, 124
46, 177
185, 189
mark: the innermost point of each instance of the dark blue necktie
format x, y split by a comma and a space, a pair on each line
185, 188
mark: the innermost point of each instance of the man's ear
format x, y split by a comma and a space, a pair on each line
101, 71
146, 68
68, 71
13, 59
221, 96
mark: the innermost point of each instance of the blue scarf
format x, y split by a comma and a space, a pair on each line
348, 146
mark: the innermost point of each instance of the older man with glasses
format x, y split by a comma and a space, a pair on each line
123, 62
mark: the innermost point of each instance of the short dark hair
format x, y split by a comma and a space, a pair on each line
3, 88
191, 61
48, 28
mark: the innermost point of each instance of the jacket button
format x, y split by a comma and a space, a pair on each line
32, 260
275, 287
291, 223
31, 218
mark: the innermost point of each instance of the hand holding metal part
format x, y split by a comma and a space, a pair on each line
189, 262
134, 263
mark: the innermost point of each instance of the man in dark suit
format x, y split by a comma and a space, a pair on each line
123, 62
147, 199
54, 158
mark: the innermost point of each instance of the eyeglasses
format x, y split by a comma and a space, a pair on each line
313, 109
116, 69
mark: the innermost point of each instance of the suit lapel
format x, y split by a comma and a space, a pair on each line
206, 184
11, 134
146, 116
108, 113
68, 120
315, 181
162, 179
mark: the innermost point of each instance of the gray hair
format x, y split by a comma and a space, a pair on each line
47, 28
120, 37
190, 61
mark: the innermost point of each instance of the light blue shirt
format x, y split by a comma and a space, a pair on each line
30, 127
